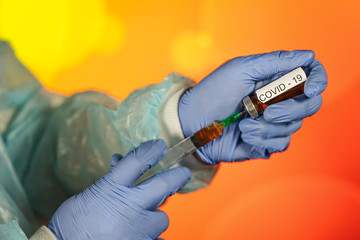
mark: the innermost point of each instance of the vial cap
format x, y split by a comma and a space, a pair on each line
250, 108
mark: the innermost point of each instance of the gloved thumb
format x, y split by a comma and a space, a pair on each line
135, 163
155, 190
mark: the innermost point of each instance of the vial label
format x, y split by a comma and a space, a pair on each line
281, 85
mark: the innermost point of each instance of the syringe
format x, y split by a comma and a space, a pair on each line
288, 86
189, 145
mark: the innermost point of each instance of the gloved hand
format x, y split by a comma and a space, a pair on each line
219, 95
112, 209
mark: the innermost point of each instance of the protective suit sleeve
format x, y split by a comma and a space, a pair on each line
58, 146
24, 107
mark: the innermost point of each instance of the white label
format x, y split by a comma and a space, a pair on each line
281, 85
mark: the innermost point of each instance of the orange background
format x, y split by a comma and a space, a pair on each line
311, 191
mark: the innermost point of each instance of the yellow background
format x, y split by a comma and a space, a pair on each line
311, 191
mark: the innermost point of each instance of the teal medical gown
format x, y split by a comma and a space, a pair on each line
52, 146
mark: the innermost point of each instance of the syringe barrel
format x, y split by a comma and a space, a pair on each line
288, 86
173, 155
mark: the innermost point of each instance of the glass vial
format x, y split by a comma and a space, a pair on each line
288, 86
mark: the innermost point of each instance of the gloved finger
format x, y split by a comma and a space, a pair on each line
265, 66
241, 73
160, 222
317, 79
115, 159
154, 191
152, 223
135, 163
292, 109
261, 128
244, 151
270, 144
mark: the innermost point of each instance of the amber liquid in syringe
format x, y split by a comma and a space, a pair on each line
207, 134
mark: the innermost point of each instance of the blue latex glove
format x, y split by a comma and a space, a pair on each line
112, 209
219, 95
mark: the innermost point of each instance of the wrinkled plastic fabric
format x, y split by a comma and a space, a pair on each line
17, 86
12, 231
13, 201
52, 147
80, 138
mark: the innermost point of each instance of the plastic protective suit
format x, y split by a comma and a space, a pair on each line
52, 147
